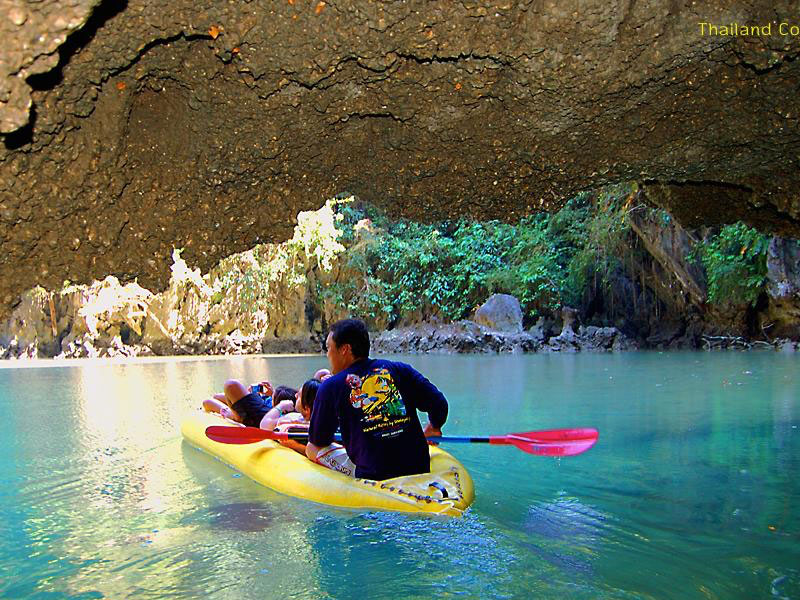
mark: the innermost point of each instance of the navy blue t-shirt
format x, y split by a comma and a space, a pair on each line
375, 403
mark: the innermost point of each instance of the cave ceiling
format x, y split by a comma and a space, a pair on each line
132, 127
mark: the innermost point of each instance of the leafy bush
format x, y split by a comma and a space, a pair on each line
735, 261
532, 267
390, 270
450, 268
592, 233
416, 268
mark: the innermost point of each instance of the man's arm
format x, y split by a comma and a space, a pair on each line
324, 420
312, 451
431, 431
428, 399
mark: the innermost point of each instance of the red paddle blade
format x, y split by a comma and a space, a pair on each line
553, 442
241, 435
559, 435
570, 448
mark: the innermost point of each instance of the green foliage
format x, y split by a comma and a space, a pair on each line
592, 234
410, 267
450, 268
389, 270
735, 261
532, 267
385, 270
444, 270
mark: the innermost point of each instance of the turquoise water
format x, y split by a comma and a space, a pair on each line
691, 492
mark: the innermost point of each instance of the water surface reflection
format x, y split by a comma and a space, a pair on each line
689, 492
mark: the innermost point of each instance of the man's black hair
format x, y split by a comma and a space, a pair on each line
353, 332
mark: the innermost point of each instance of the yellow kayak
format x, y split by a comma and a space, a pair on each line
446, 490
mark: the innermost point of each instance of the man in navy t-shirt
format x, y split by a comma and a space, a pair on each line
375, 404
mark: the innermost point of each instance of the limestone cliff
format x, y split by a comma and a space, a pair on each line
275, 298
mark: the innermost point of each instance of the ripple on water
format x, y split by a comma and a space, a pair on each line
403, 554
690, 493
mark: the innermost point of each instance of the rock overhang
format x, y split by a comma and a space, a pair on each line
208, 126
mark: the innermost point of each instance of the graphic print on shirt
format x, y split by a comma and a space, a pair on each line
383, 413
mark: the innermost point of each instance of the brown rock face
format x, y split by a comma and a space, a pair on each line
135, 127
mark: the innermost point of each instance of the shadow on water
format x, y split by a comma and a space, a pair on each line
565, 518
264, 511
565, 562
567, 521
407, 553
241, 516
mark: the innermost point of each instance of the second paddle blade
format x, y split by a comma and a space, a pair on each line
237, 435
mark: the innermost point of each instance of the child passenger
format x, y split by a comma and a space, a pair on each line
254, 400
334, 456
283, 403
258, 401
250, 406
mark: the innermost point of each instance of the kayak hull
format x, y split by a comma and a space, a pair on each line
447, 489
